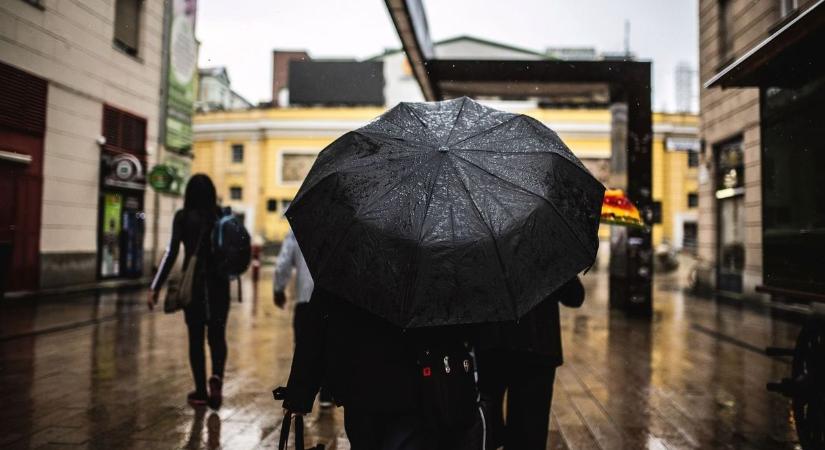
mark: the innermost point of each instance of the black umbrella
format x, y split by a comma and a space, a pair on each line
446, 213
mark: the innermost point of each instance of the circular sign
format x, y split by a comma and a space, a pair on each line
125, 170
160, 178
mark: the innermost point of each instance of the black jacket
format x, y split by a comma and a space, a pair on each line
538, 333
365, 362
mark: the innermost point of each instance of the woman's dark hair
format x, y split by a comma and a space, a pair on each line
200, 193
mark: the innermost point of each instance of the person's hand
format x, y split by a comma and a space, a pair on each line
280, 299
151, 299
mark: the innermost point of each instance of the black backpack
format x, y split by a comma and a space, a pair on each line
231, 244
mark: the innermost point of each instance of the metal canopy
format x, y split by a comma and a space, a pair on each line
788, 57
620, 81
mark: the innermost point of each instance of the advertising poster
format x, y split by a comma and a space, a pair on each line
110, 236
182, 76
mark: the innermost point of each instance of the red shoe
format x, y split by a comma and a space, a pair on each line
215, 394
196, 399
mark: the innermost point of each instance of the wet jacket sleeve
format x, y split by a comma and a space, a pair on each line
171, 253
308, 360
571, 294
285, 262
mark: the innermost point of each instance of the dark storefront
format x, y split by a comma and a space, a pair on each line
22, 129
121, 217
793, 189
789, 71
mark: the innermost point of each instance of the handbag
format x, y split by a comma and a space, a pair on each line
179, 286
279, 394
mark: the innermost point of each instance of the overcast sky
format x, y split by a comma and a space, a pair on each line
241, 34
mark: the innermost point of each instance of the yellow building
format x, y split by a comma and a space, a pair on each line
259, 157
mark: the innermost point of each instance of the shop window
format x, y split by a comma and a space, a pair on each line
272, 205
237, 153
693, 159
127, 25
793, 194
730, 190
236, 193
692, 200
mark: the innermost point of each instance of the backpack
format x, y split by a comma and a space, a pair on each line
231, 244
450, 395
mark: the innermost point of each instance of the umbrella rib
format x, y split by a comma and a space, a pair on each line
486, 130
395, 124
521, 188
460, 110
424, 124
429, 200
489, 228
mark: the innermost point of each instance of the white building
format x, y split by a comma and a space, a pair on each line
79, 104
400, 81
215, 91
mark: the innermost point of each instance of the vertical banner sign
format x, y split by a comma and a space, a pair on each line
183, 62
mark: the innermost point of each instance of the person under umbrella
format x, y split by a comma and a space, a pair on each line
521, 359
433, 215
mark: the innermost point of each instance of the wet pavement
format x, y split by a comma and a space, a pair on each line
101, 372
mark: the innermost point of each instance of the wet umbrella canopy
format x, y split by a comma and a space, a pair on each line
445, 213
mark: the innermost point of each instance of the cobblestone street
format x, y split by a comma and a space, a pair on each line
102, 372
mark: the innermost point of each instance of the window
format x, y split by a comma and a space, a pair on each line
690, 232
793, 195
272, 205
127, 25
693, 159
787, 7
237, 153
726, 31
693, 199
295, 166
124, 132
36, 3
236, 193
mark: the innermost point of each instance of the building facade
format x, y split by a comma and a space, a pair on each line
258, 158
215, 91
762, 223
730, 247
88, 76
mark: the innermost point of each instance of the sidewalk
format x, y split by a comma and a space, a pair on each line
100, 286
692, 377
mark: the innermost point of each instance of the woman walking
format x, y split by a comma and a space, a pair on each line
208, 310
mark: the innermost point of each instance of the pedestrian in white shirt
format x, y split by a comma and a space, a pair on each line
291, 260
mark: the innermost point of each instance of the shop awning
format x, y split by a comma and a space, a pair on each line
790, 56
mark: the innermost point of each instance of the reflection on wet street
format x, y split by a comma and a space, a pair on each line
101, 372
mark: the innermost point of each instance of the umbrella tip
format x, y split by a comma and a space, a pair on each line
443, 149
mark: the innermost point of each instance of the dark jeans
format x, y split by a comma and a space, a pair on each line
383, 431
529, 386
207, 320
299, 322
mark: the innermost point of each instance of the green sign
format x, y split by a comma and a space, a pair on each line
161, 178
170, 177
182, 76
